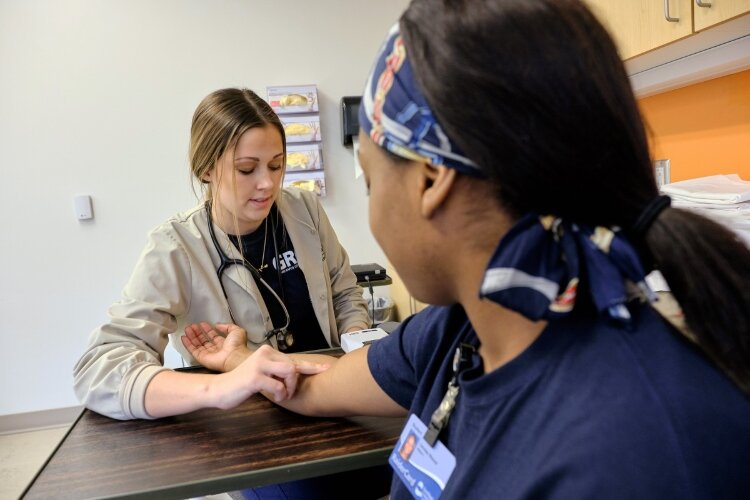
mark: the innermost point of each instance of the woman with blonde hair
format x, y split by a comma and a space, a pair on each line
252, 254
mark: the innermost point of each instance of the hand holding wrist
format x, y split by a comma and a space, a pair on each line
264, 370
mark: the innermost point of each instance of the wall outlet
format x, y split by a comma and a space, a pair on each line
661, 172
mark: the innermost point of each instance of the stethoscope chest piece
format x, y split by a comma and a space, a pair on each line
284, 339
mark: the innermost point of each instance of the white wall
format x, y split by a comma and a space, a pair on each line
96, 97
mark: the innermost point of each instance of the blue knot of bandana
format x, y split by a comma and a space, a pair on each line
537, 267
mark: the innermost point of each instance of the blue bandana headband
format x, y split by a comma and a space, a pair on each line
396, 116
537, 266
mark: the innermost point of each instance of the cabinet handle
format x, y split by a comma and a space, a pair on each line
666, 13
700, 3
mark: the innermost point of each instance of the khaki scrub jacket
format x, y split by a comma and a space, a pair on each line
174, 284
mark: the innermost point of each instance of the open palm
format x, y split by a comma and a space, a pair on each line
212, 349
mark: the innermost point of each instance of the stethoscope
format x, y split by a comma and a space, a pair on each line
284, 338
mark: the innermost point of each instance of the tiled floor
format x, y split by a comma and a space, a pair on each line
21, 456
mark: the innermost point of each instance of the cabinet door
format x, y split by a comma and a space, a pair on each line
638, 26
719, 11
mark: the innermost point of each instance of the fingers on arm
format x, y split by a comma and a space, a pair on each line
301, 366
308, 368
274, 387
280, 366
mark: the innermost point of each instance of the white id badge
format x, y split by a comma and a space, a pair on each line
424, 469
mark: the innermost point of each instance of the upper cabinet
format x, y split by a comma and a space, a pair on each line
639, 26
708, 13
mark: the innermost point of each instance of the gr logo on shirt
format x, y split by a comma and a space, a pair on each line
288, 261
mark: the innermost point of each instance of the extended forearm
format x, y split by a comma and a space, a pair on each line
174, 393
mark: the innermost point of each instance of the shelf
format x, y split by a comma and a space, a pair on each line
381, 282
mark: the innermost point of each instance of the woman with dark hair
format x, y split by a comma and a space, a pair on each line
510, 184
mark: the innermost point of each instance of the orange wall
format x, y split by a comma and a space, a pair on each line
703, 129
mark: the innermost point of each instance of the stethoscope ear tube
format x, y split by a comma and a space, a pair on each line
282, 335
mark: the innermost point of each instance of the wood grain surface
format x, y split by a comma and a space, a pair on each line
208, 451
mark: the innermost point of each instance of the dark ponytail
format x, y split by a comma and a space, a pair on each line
708, 270
534, 92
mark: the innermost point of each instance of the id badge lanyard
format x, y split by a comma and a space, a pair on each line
423, 463
441, 415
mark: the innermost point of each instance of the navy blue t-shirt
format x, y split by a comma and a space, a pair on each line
291, 288
589, 410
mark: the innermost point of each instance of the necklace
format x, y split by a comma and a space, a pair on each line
243, 245
263, 264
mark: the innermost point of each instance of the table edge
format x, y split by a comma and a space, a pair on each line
272, 475
52, 454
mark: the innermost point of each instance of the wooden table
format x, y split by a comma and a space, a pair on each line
207, 452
